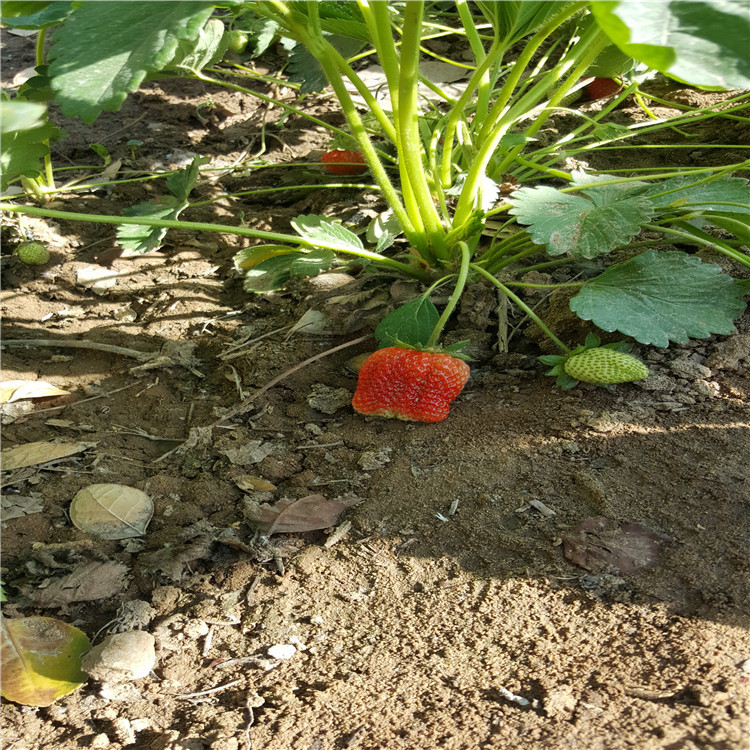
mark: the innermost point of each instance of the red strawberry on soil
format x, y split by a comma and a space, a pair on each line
603, 88
342, 161
408, 384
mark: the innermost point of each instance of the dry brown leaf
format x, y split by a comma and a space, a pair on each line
599, 543
111, 511
40, 452
249, 483
87, 583
16, 506
15, 390
289, 516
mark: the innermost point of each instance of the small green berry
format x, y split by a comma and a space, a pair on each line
32, 253
601, 365
236, 41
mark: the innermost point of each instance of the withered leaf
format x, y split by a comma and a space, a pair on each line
111, 511
32, 454
289, 516
599, 543
87, 583
15, 390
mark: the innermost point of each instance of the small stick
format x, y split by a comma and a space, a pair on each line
245, 405
83, 400
141, 356
208, 692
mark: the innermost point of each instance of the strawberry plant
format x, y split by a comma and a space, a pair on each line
448, 158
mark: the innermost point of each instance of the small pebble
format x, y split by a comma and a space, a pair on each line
121, 657
282, 651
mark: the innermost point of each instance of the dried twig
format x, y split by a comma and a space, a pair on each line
247, 403
184, 696
140, 356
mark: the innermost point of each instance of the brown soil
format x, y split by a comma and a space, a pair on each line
448, 615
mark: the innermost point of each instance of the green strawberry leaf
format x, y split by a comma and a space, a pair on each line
411, 324
38, 88
105, 50
552, 359
263, 32
274, 272
384, 242
661, 297
566, 382
182, 182
592, 341
139, 240
321, 231
681, 193
19, 115
702, 42
193, 55
583, 226
33, 14
25, 140
306, 70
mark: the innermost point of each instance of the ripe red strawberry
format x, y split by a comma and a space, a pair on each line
341, 161
408, 384
603, 88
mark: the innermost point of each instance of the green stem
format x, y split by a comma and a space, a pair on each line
494, 265
224, 228
410, 150
49, 175
335, 67
458, 112
499, 120
463, 274
696, 236
576, 284
477, 47
549, 264
269, 100
518, 301
593, 42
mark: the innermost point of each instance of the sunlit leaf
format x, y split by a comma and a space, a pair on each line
111, 511
16, 390
661, 297
582, 226
139, 239
25, 140
326, 233
274, 272
105, 50
32, 14
40, 660
682, 193
702, 42
39, 452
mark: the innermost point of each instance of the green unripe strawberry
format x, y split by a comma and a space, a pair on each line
32, 253
236, 41
602, 365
